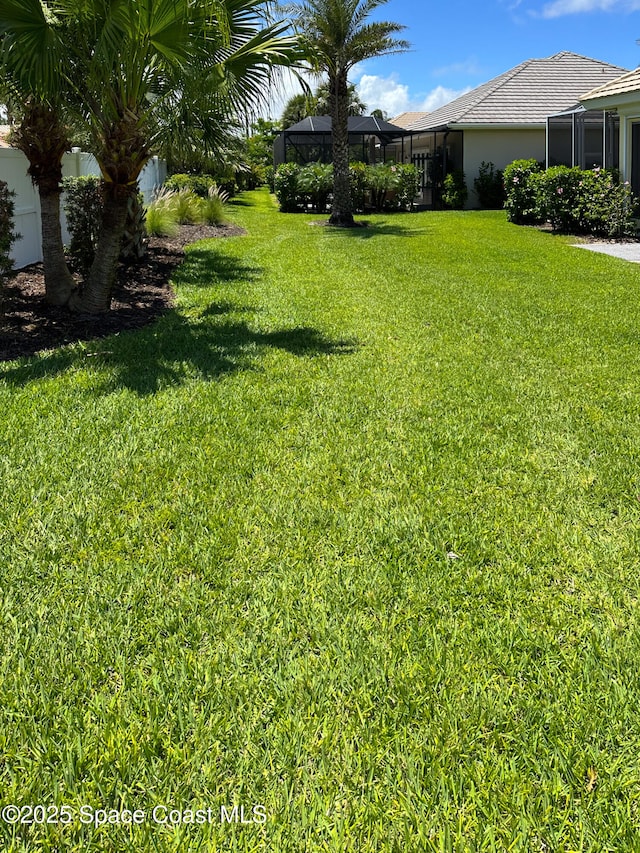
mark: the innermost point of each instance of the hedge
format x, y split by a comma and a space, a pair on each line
389, 186
572, 200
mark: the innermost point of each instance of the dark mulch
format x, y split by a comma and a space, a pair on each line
141, 294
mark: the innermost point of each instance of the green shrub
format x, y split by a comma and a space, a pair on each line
359, 185
83, 208
522, 199
286, 187
315, 181
573, 200
561, 199
489, 187
252, 176
381, 180
269, 177
610, 207
7, 234
590, 201
454, 190
407, 186
385, 185
197, 184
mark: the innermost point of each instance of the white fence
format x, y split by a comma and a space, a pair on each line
13, 169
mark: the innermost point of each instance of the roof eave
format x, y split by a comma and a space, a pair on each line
608, 102
497, 125
486, 125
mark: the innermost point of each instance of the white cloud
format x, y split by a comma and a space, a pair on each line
393, 97
558, 8
441, 95
383, 93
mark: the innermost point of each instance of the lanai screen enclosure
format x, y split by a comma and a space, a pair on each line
309, 141
584, 138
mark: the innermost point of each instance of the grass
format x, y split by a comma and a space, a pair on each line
351, 535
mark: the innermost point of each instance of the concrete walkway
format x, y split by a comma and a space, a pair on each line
626, 251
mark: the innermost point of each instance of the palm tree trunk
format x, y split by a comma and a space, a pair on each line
42, 138
342, 208
95, 297
58, 281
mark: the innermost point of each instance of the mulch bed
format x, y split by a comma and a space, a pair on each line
141, 294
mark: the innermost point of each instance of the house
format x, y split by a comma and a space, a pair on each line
505, 119
622, 98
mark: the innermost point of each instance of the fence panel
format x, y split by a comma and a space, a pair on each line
13, 170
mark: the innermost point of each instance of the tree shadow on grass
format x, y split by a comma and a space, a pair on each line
379, 228
175, 349
238, 201
215, 342
208, 267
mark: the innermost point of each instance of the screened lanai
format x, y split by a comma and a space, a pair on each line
371, 140
583, 138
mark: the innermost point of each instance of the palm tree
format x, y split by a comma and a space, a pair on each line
34, 51
146, 52
356, 107
338, 36
119, 64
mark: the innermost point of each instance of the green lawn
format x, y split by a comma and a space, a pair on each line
352, 536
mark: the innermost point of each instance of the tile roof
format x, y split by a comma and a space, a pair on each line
525, 95
620, 86
408, 118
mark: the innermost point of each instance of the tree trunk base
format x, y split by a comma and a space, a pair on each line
61, 293
79, 305
345, 220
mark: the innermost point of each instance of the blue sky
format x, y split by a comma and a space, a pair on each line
459, 44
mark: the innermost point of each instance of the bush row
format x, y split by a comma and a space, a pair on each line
577, 201
380, 186
201, 184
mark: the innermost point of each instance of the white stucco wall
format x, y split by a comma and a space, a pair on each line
629, 115
500, 147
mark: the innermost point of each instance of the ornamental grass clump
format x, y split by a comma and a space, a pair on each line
212, 208
188, 207
162, 217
